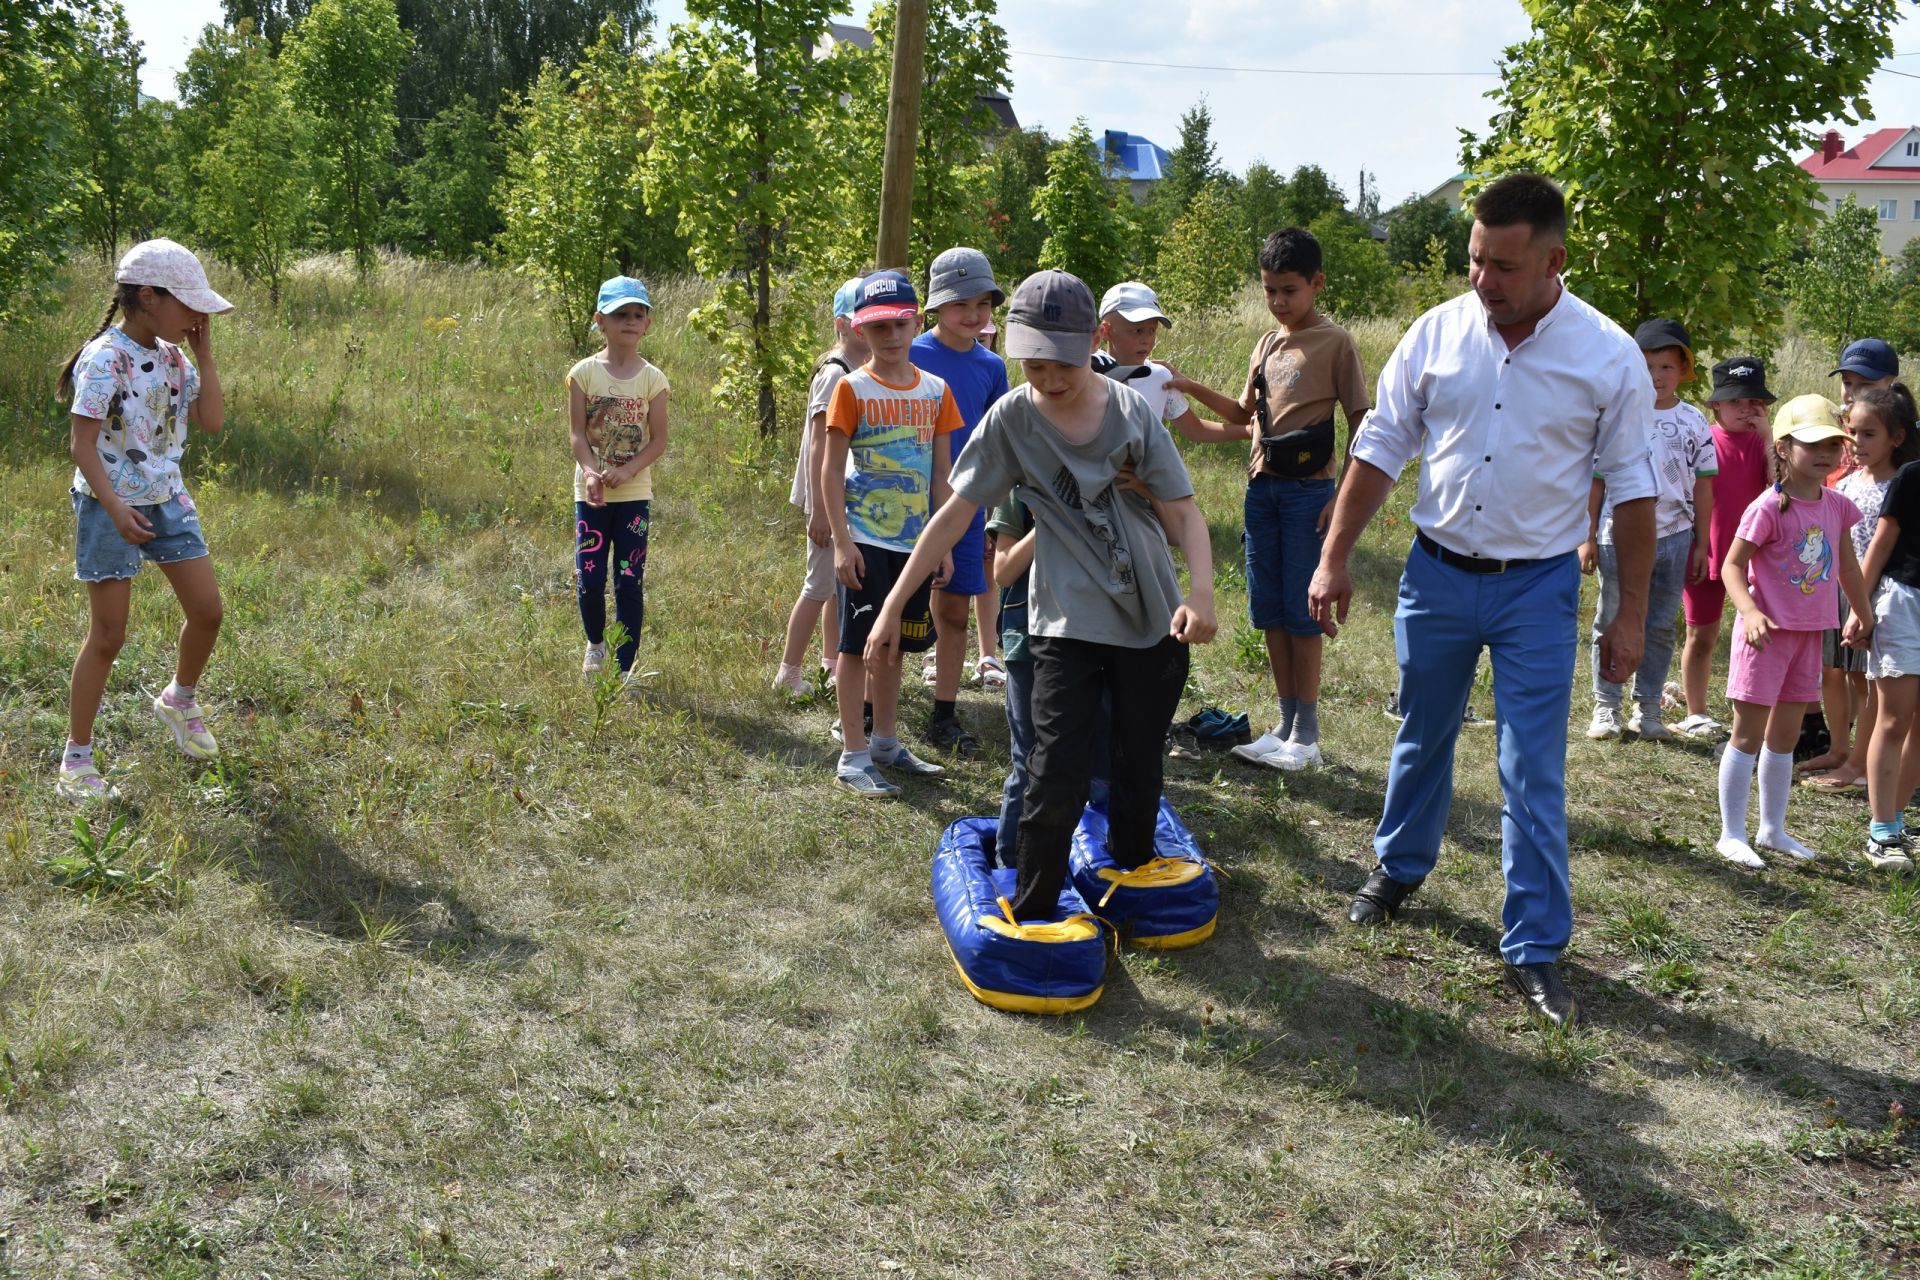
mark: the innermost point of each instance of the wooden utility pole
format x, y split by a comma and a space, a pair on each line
903, 133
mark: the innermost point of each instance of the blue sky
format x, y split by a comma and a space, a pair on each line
1404, 130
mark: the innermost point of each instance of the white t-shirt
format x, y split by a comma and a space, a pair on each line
1870, 495
1154, 381
826, 376
141, 396
1682, 452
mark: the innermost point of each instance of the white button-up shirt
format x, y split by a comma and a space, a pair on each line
1510, 440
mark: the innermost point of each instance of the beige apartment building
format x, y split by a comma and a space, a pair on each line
1881, 172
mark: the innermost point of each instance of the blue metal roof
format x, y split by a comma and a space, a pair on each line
1133, 157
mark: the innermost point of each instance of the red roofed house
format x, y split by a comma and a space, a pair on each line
1882, 172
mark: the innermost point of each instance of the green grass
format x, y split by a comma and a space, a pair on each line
450, 980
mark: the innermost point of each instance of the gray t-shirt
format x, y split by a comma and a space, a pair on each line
1101, 568
826, 376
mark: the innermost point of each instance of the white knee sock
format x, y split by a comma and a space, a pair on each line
1776, 783
1736, 786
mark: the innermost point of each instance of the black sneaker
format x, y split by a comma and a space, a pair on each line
951, 736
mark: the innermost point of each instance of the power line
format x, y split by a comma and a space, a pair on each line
1268, 71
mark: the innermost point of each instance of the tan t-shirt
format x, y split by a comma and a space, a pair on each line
617, 428
1309, 370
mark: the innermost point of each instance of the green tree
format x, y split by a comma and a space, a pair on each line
271, 20
1203, 261
1311, 194
450, 209
1191, 165
752, 145
1086, 231
966, 57
1843, 286
1416, 223
571, 203
1264, 201
112, 134
39, 62
344, 57
1675, 129
254, 183
1015, 171
1432, 281
1360, 280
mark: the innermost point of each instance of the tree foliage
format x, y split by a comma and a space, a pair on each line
39, 59
344, 56
1203, 260
1193, 163
1414, 225
1016, 170
1674, 129
1087, 232
450, 209
1360, 281
1842, 287
114, 139
1263, 201
1311, 195
750, 147
253, 184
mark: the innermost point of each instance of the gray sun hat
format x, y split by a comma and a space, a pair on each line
961, 273
1052, 318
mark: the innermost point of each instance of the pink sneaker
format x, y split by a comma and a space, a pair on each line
189, 728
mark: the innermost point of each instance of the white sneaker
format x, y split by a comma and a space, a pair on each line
82, 782
189, 728
594, 662
1647, 725
1257, 751
1702, 728
1605, 725
1295, 756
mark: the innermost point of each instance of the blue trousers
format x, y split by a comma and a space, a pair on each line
1528, 621
1663, 606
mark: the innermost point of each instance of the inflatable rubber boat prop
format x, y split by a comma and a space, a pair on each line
1055, 965
1171, 901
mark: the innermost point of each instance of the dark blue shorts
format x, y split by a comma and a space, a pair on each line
970, 561
881, 569
1283, 550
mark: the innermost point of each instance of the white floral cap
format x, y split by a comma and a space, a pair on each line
171, 266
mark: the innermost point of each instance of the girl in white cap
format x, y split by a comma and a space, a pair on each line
133, 393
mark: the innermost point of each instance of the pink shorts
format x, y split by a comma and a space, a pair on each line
1787, 670
1704, 602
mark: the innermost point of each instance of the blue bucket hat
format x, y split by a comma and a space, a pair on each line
618, 292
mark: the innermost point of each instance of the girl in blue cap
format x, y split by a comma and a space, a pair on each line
617, 411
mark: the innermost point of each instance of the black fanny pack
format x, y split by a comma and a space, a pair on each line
1298, 453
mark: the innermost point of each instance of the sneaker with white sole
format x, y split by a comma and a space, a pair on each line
1890, 855
1647, 725
188, 726
1294, 756
1605, 724
867, 783
904, 761
82, 782
1255, 752
594, 661
1701, 728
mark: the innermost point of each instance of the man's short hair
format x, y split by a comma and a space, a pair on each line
1523, 198
1292, 249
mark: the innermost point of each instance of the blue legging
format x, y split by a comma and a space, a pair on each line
612, 540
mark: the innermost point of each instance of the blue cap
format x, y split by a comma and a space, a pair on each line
618, 292
847, 297
1870, 358
886, 295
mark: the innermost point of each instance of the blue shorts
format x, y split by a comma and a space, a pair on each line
100, 554
880, 568
1283, 550
970, 561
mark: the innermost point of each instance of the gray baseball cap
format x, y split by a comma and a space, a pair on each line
961, 273
1052, 318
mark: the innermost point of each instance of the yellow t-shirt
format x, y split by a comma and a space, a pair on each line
616, 422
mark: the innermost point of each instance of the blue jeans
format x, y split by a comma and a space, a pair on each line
1528, 620
1283, 549
1663, 605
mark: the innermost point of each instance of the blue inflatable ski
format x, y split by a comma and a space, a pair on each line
1172, 901
1056, 965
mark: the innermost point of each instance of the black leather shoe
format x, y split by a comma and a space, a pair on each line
1540, 986
1376, 901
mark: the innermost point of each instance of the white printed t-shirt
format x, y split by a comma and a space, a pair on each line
141, 395
1682, 452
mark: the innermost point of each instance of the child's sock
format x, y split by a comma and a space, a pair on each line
1306, 724
943, 710
1776, 784
76, 754
883, 750
179, 694
1289, 708
1736, 786
855, 761
1888, 832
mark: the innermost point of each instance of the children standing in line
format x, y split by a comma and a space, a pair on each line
883, 472
1891, 574
1867, 362
1130, 324
617, 418
133, 394
1297, 375
961, 296
1683, 462
1106, 613
816, 606
1789, 551
1740, 447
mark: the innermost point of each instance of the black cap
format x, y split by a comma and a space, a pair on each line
1660, 333
1741, 378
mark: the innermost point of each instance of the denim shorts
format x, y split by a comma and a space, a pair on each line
1283, 550
100, 554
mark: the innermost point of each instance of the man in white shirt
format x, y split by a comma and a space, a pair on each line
1513, 396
